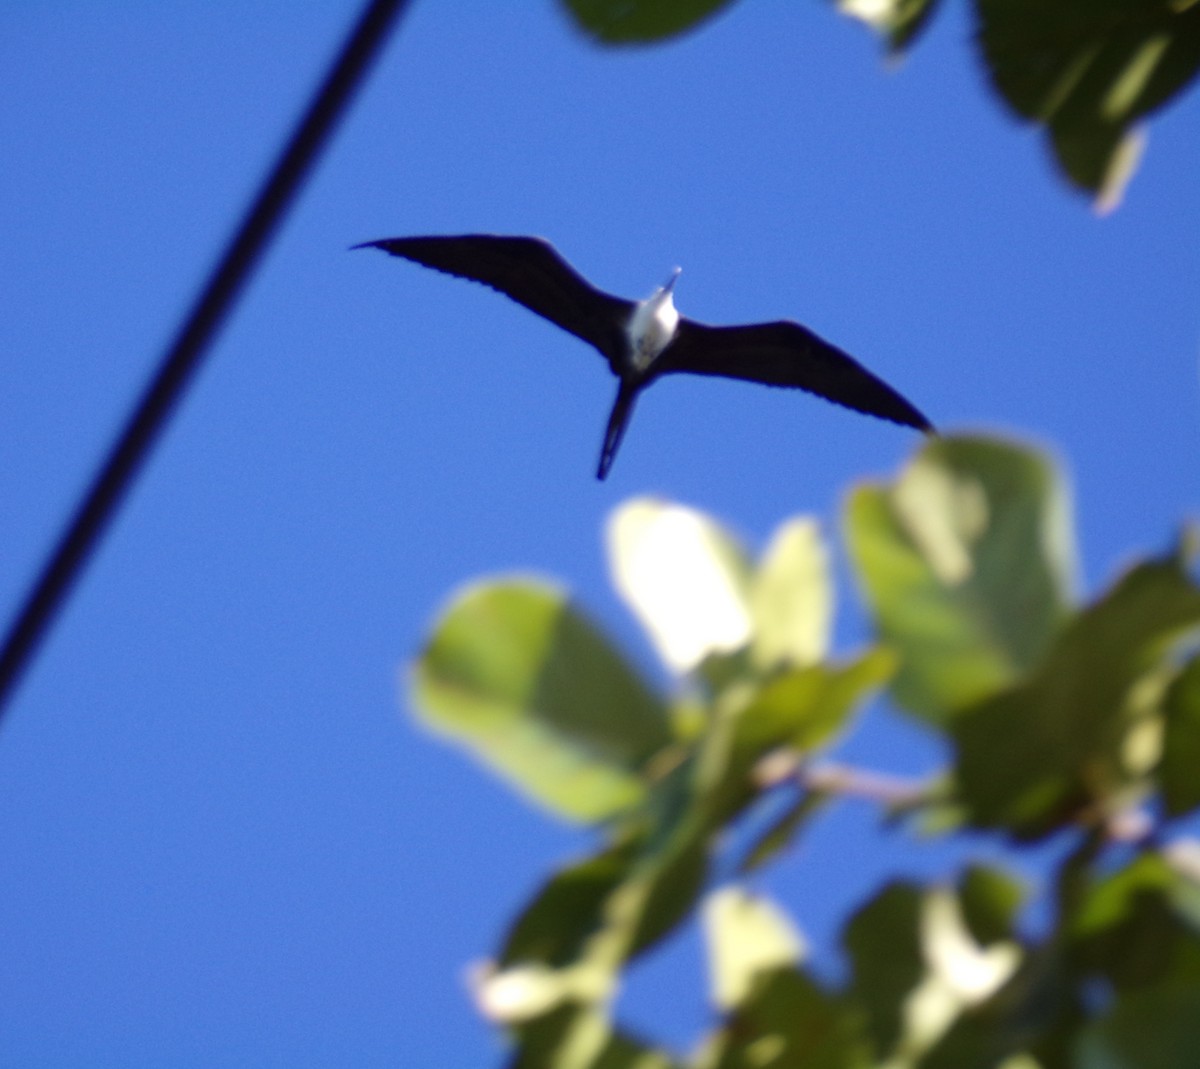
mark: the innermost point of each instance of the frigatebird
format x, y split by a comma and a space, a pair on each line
642, 340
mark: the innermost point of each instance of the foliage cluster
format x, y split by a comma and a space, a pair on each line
1077, 721
1087, 71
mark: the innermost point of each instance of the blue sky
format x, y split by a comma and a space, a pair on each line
225, 842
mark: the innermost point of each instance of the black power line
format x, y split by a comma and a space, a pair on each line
183, 358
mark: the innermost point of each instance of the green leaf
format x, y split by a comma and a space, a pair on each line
674, 883
1088, 69
567, 911
884, 944
588, 922
788, 1021
576, 1037
791, 598
747, 936
1145, 1030
968, 563
805, 707
534, 690
684, 577
1180, 769
1031, 757
797, 710
897, 21
1138, 926
990, 899
626, 22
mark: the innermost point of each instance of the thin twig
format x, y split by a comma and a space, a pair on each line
847, 781
186, 353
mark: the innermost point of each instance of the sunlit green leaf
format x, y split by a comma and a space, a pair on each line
1030, 757
747, 935
1180, 770
797, 710
625, 22
791, 598
684, 577
533, 689
805, 707
1088, 69
897, 21
968, 562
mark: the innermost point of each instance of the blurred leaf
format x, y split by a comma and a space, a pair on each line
804, 707
1180, 770
923, 974
968, 971
1031, 757
1088, 69
684, 577
674, 885
567, 910
1138, 927
791, 598
788, 1021
520, 993
990, 899
898, 21
780, 833
575, 1037
628, 896
884, 943
747, 936
1099, 158
625, 22
526, 682
797, 710
968, 562
1145, 1030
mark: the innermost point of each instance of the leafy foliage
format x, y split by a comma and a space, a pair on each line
1086, 70
968, 560
1071, 719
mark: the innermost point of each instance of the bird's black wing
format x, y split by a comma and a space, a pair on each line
786, 354
532, 273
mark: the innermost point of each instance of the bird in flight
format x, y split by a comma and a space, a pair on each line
642, 340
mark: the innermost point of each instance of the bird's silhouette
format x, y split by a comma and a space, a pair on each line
642, 340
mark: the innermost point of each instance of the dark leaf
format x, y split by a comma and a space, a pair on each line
789, 1021
628, 22
1145, 1030
1180, 769
884, 943
1088, 69
1030, 758
989, 898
